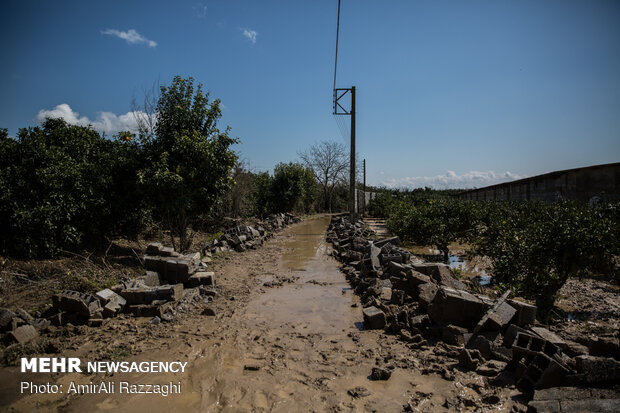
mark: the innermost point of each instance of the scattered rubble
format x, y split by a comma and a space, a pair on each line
170, 283
241, 238
424, 303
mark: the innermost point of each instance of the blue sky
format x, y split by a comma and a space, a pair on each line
450, 93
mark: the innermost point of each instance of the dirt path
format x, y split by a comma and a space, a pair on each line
287, 337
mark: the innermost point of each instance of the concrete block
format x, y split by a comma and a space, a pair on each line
201, 278
81, 303
395, 268
169, 292
455, 307
107, 295
526, 313
550, 337
153, 248
139, 295
111, 309
386, 294
24, 334
453, 335
598, 370
151, 279
6, 316
426, 294
374, 318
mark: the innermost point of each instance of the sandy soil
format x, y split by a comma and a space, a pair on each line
287, 336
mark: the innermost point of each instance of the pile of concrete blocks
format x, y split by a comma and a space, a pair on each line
167, 275
20, 327
423, 302
243, 237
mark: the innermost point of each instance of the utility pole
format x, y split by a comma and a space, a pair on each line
340, 110
364, 202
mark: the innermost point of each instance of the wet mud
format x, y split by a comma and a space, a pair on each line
287, 337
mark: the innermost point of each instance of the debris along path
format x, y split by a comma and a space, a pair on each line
284, 334
298, 347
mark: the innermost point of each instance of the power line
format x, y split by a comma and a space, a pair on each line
337, 33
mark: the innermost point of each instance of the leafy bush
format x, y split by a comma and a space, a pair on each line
60, 189
437, 222
535, 247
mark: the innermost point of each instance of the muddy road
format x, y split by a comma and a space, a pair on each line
287, 336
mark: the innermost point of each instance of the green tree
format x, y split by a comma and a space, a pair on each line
437, 222
293, 188
55, 181
535, 247
191, 160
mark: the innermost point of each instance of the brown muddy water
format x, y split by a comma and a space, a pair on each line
298, 346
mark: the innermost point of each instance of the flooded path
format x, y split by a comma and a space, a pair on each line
287, 337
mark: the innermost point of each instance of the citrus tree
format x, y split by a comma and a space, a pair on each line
190, 159
535, 247
437, 222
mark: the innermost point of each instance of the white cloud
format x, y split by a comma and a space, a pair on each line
130, 36
201, 10
107, 122
450, 180
250, 34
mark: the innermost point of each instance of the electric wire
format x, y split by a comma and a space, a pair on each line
337, 34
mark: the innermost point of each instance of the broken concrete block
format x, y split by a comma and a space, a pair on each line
6, 316
381, 373
530, 345
374, 318
550, 337
415, 278
426, 294
496, 318
398, 297
374, 257
526, 313
139, 295
456, 307
469, 359
575, 399
201, 278
395, 268
153, 248
605, 347
76, 302
480, 343
498, 315
386, 294
383, 242
154, 263
599, 370
24, 334
111, 309
177, 270
453, 335
169, 292
107, 295
151, 279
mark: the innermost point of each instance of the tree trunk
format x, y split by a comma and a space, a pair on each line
446, 253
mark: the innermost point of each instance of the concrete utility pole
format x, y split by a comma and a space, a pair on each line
340, 110
364, 202
352, 167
